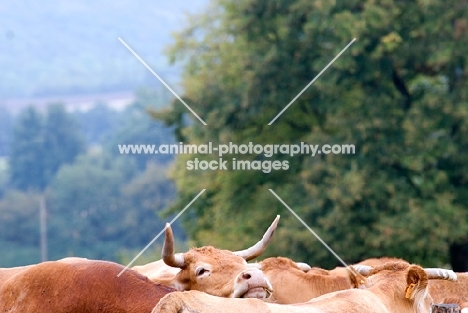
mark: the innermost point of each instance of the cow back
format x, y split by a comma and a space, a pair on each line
81, 286
292, 285
442, 289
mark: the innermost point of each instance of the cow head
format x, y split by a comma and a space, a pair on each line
295, 282
219, 272
408, 280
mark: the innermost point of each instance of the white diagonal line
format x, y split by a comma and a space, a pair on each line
160, 233
162, 81
313, 80
315, 234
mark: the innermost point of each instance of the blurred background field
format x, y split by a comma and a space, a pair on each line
399, 94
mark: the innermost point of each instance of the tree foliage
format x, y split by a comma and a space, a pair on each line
41, 145
27, 152
138, 128
101, 205
98, 123
19, 234
399, 94
6, 121
62, 140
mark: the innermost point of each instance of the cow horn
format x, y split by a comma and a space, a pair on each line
362, 269
440, 273
303, 266
171, 259
259, 247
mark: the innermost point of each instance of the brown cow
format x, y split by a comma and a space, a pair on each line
218, 272
281, 272
356, 280
293, 284
6, 273
194, 301
157, 270
79, 286
461, 303
392, 288
435, 276
440, 290
374, 262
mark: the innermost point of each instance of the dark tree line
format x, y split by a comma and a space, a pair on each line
399, 94
99, 204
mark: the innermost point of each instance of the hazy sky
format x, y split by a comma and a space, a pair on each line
66, 47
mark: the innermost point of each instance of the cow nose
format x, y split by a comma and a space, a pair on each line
252, 283
253, 276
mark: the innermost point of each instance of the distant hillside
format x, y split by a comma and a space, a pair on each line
84, 102
58, 47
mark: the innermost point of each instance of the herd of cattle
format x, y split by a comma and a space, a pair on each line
211, 280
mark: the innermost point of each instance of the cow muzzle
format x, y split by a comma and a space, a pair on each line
252, 283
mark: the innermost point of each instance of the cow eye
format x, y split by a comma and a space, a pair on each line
200, 271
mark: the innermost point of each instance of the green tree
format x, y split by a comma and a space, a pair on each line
98, 123
139, 128
27, 152
399, 94
144, 198
19, 230
63, 140
102, 207
6, 122
85, 210
39, 149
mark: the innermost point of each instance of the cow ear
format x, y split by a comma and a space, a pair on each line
416, 279
357, 280
356, 276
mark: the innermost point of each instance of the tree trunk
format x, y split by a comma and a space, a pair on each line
43, 226
459, 257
